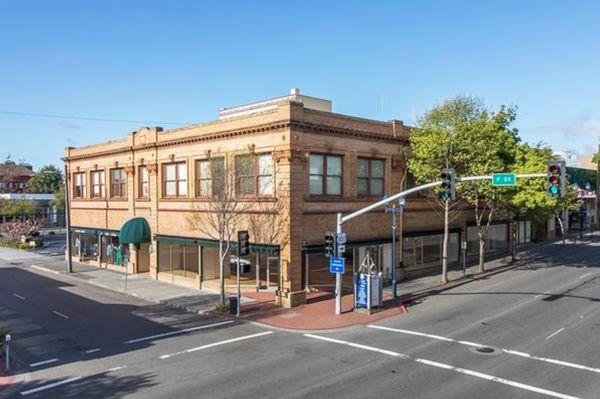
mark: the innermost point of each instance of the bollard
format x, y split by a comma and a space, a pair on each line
7, 352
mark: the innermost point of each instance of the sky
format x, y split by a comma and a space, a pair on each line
172, 63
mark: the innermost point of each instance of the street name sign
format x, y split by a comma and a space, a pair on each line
503, 179
337, 265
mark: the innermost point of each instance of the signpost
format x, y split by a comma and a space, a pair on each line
503, 179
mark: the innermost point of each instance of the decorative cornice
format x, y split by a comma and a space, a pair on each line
228, 134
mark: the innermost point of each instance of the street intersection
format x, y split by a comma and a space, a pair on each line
528, 332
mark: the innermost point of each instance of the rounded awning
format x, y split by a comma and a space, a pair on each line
135, 231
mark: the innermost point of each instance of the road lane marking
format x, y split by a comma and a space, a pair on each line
87, 352
445, 366
20, 297
555, 333
509, 351
53, 385
585, 275
359, 346
438, 337
185, 330
43, 362
116, 368
56, 312
496, 379
227, 341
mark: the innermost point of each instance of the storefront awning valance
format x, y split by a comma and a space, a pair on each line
135, 231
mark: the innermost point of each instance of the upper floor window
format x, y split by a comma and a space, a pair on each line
118, 183
209, 176
369, 175
143, 182
175, 180
98, 184
78, 185
325, 174
254, 174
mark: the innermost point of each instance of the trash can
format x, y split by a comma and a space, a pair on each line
233, 304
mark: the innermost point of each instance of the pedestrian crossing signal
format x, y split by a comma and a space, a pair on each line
330, 245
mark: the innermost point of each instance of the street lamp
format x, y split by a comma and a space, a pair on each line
393, 209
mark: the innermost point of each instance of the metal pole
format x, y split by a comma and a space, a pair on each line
338, 276
394, 295
68, 221
7, 352
239, 296
257, 269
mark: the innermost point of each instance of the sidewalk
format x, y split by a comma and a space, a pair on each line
318, 313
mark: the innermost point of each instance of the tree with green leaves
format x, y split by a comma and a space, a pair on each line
48, 180
463, 134
529, 198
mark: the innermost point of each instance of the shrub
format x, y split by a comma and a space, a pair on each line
222, 307
3, 332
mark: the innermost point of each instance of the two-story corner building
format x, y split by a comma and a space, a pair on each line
296, 164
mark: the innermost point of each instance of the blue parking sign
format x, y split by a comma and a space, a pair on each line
337, 265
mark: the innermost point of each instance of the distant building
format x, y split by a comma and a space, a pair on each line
588, 163
14, 177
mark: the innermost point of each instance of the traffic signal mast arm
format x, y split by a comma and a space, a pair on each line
416, 189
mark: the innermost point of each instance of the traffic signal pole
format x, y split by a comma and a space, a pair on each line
338, 276
343, 219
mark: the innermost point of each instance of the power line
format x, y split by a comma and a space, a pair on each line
84, 118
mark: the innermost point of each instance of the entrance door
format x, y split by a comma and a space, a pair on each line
143, 258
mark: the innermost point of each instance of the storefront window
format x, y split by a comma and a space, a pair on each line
178, 259
425, 252
496, 240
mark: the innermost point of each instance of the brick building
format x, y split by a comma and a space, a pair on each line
14, 177
296, 165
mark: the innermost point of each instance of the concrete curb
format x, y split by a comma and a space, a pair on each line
165, 302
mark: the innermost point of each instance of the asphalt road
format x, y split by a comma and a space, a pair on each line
531, 332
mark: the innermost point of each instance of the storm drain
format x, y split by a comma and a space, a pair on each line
485, 349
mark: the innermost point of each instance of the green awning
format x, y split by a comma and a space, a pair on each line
135, 231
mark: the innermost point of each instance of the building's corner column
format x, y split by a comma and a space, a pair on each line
290, 166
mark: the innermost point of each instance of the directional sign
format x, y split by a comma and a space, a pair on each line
503, 179
337, 265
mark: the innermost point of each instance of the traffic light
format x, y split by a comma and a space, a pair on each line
555, 182
243, 243
448, 191
330, 244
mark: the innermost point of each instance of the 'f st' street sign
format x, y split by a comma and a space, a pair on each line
503, 179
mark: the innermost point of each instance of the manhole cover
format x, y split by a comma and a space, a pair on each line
485, 349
